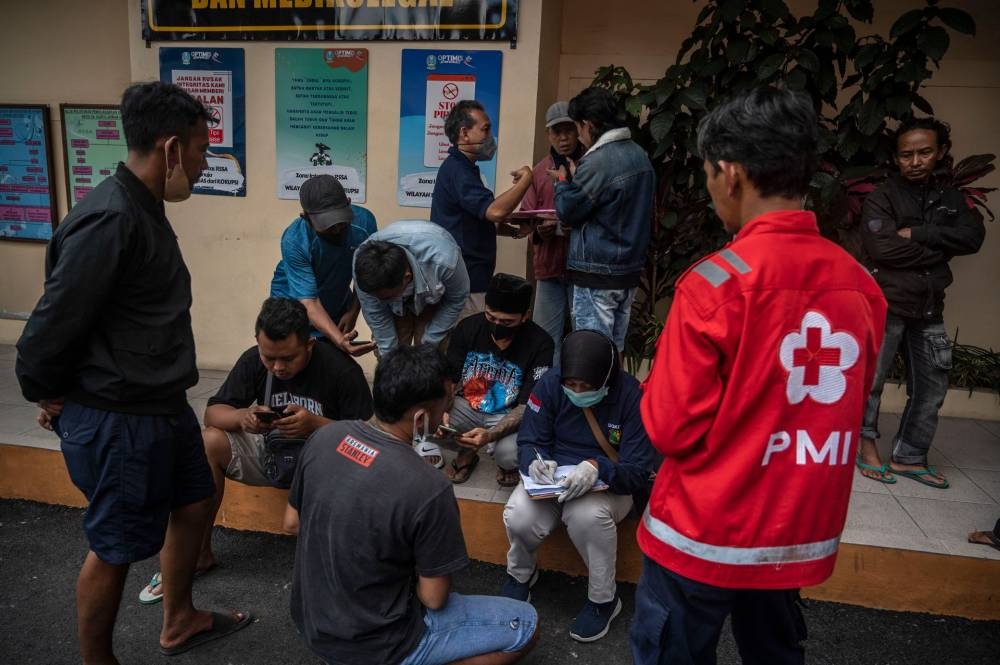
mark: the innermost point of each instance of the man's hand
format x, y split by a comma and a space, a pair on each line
354, 349
53, 407
44, 420
523, 172
579, 481
547, 229
557, 174
251, 424
299, 424
475, 438
904, 233
348, 321
543, 472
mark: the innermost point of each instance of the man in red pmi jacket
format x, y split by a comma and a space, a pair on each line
755, 400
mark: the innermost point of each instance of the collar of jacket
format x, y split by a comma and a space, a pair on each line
139, 192
617, 134
780, 221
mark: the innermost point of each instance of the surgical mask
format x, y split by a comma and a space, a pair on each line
421, 427
500, 332
176, 186
485, 150
587, 398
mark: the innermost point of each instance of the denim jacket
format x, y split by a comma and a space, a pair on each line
439, 277
609, 206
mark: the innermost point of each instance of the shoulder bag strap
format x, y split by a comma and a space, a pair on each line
599, 435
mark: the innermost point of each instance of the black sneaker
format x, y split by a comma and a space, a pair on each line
594, 620
519, 590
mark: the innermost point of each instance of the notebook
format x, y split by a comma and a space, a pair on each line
539, 491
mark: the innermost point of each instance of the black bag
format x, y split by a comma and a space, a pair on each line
281, 456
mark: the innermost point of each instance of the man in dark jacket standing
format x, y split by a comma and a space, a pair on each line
108, 353
911, 227
607, 201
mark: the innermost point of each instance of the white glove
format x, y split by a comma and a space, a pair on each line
543, 471
579, 481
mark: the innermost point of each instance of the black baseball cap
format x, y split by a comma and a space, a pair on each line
324, 200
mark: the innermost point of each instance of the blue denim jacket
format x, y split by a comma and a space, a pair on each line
439, 277
609, 206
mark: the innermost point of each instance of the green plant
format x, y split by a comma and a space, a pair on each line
739, 44
972, 367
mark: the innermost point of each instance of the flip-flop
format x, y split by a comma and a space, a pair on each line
147, 597
918, 475
459, 474
222, 625
429, 450
508, 477
880, 470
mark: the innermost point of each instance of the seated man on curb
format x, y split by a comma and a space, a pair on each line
278, 393
495, 357
379, 537
584, 414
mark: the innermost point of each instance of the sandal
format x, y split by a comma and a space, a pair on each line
919, 476
880, 470
148, 595
431, 452
459, 473
508, 477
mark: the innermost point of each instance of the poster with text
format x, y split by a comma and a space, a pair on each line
321, 98
432, 83
27, 194
215, 76
93, 144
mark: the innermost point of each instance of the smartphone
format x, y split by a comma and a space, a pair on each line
269, 416
448, 430
359, 342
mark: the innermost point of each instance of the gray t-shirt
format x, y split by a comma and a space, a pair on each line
372, 517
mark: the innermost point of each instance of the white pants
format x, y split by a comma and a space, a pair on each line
592, 523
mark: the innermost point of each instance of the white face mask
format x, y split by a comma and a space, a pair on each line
176, 186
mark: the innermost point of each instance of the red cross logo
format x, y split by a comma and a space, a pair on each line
816, 359
814, 356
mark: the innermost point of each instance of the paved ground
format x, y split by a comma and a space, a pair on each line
42, 546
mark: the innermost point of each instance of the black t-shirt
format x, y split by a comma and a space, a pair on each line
373, 516
331, 385
491, 380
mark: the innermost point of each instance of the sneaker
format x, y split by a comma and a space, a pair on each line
519, 590
594, 620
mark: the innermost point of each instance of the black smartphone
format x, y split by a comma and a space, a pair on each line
269, 416
448, 430
359, 342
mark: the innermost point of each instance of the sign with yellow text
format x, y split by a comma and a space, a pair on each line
329, 20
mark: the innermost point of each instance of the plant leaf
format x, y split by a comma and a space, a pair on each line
958, 20
661, 125
934, 41
906, 22
923, 104
808, 61
769, 65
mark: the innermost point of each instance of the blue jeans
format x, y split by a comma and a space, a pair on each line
927, 352
603, 310
473, 625
552, 302
678, 621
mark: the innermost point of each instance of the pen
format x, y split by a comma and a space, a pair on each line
538, 456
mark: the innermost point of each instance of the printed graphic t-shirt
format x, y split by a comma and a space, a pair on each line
493, 380
373, 517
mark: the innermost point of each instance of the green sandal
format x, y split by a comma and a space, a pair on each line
880, 470
918, 475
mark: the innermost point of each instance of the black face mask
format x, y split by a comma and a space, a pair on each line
502, 332
338, 238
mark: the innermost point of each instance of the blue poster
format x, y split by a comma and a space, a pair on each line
215, 76
432, 83
27, 199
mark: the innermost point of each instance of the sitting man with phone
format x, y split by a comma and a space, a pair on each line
278, 393
496, 357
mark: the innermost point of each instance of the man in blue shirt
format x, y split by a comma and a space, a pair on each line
317, 251
463, 205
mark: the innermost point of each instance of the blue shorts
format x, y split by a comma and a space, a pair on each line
133, 470
472, 625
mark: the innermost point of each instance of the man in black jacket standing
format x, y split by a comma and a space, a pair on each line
108, 354
911, 227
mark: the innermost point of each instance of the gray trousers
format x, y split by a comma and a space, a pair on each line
463, 418
592, 524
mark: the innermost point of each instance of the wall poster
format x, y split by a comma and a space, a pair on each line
432, 83
215, 76
321, 111
27, 193
93, 144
